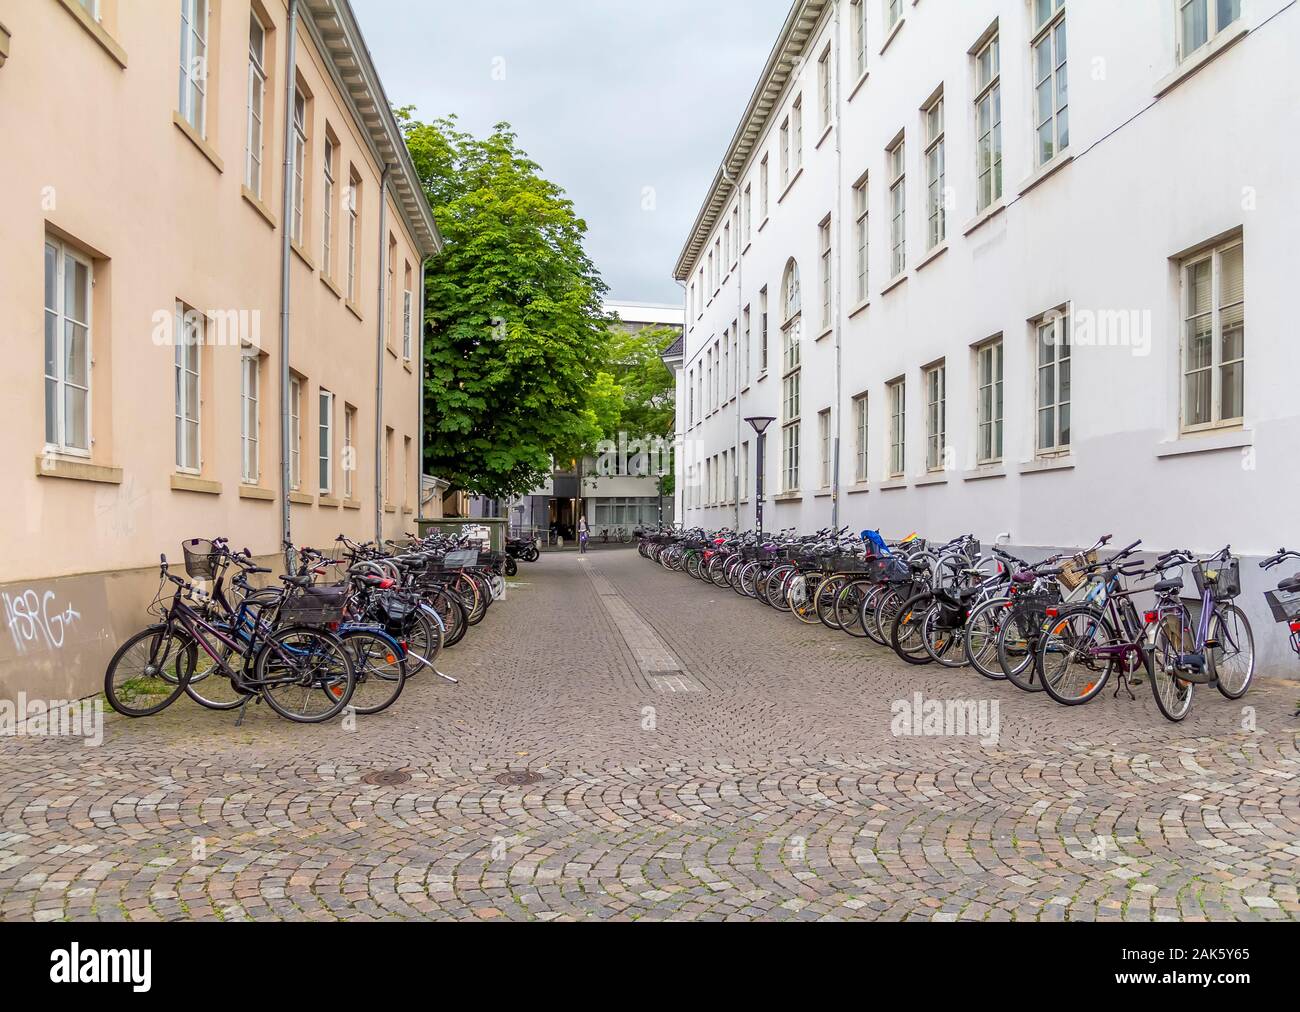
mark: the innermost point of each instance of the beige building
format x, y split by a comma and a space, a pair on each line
204, 336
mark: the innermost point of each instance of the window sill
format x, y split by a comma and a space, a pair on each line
96, 31
332, 502
985, 216
204, 147
1220, 44
788, 497
761, 376
790, 185
893, 484
894, 284
764, 225
824, 494
858, 84
1063, 462
256, 204
390, 349
861, 488
1046, 171
898, 27
389, 508
984, 472
859, 308
406, 364
825, 133
191, 483
1206, 441
824, 334
256, 492
301, 499
352, 504
77, 470
329, 283
302, 255
352, 308
748, 246
932, 256
932, 479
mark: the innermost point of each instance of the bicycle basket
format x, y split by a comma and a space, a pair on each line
1284, 604
1072, 574
852, 564
889, 569
201, 559
1224, 578
315, 606
1034, 605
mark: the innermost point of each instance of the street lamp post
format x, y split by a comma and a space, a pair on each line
759, 425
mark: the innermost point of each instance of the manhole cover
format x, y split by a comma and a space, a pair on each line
519, 778
386, 778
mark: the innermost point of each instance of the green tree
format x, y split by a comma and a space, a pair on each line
515, 336
637, 365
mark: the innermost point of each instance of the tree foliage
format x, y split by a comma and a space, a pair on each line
636, 363
515, 336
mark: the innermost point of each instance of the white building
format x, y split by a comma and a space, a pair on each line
976, 299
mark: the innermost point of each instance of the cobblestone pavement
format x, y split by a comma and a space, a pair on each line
700, 757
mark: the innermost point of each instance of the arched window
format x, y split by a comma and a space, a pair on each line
790, 298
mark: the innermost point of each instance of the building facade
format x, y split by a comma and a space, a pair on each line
1005, 267
213, 249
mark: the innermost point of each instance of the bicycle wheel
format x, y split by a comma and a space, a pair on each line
887, 609
381, 670
304, 674
1017, 648
981, 637
209, 685
801, 596
149, 671
905, 632
1232, 658
942, 643
424, 640
867, 612
1071, 661
848, 608
1173, 694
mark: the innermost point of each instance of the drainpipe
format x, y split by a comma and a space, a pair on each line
286, 220
379, 358
837, 267
740, 313
419, 459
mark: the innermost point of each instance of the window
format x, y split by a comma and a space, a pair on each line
748, 214
193, 99
299, 161
189, 343
735, 234
824, 87
860, 241
388, 466
824, 437
708, 382
250, 419
763, 187
746, 351
988, 402
796, 135
1054, 383
1201, 20
718, 265
824, 236
295, 433
712, 274
69, 280
936, 417
762, 331
744, 470
860, 438
897, 208
325, 429
936, 198
897, 427
785, 151
91, 7
327, 229
256, 104
726, 245
690, 398
1214, 337
349, 450
408, 320
893, 12
858, 19
724, 374
1051, 101
988, 124
353, 198
792, 332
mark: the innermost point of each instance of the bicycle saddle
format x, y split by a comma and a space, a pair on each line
1290, 583
1167, 585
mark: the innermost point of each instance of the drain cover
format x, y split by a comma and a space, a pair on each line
386, 778
519, 778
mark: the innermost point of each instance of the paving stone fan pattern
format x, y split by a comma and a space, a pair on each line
700, 757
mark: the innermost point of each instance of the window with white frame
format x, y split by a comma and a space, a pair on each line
295, 433
762, 331
189, 332
858, 20
988, 123
325, 431
690, 398
193, 98
1214, 337
897, 157
827, 276
792, 335
256, 105
408, 322
1199, 21
726, 245
860, 438
893, 12
744, 470
785, 151
718, 265
250, 415
724, 374
860, 237
327, 228
824, 86
1051, 91
91, 8
713, 271
897, 391
763, 187
988, 402
349, 449
299, 162
69, 281
935, 174
746, 349
936, 417
824, 439
353, 198
1054, 362
796, 135
748, 214
735, 234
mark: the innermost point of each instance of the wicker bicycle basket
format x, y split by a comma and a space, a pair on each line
1072, 573
201, 559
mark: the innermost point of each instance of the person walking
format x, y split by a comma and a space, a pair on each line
583, 534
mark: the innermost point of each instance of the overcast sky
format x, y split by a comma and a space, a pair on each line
608, 96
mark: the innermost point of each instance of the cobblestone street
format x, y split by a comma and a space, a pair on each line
699, 756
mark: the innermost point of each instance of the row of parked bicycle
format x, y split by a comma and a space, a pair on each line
1063, 625
343, 631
